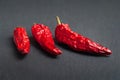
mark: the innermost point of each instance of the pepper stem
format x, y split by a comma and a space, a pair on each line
34, 23
58, 20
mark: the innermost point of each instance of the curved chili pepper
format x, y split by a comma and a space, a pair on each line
43, 36
21, 40
78, 42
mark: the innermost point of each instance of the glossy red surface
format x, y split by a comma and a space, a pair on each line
43, 36
78, 42
21, 40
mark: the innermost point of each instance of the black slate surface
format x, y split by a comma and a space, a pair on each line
96, 19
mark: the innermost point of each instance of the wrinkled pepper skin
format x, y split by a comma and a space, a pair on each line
21, 40
77, 42
43, 36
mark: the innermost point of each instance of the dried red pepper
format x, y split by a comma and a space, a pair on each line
43, 36
21, 40
78, 42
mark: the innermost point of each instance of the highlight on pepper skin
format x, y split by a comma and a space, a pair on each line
43, 36
21, 40
78, 42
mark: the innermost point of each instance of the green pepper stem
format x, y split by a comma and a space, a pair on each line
58, 20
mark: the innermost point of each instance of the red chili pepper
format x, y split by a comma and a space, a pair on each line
78, 42
43, 36
21, 40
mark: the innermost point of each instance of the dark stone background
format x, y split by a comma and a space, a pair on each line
96, 19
